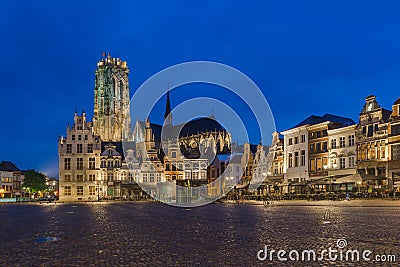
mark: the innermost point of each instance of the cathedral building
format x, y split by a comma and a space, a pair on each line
92, 163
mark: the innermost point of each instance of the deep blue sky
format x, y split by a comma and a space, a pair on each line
309, 57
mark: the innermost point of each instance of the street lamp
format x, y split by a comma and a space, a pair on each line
359, 186
29, 192
326, 167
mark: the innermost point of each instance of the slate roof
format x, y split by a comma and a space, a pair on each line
8, 166
193, 127
313, 119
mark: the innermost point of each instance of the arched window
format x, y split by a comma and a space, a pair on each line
114, 87
121, 90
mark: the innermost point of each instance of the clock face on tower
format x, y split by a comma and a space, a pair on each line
369, 107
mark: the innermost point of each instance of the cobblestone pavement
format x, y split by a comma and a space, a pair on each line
154, 234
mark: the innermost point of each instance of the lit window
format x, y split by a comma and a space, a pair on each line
90, 148
79, 148
79, 163
67, 190
67, 178
296, 159
92, 190
351, 161
79, 178
333, 143
342, 162
79, 190
92, 163
351, 140
395, 152
67, 163
342, 142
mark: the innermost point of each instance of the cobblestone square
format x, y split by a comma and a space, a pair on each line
154, 234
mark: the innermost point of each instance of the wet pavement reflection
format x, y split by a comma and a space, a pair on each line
154, 234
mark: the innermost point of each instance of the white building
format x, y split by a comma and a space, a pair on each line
233, 171
342, 151
295, 167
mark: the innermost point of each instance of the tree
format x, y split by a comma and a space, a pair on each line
36, 181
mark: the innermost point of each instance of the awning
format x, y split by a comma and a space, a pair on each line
359, 178
353, 178
304, 183
318, 181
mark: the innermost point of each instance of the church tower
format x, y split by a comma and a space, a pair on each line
111, 100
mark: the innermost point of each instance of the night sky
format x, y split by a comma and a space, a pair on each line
308, 57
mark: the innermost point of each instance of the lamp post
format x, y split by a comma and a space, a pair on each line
326, 167
29, 192
359, 187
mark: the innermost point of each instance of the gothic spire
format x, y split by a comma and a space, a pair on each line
168, 110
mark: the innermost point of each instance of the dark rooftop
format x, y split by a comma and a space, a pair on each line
313, 119
199, 125
8, 166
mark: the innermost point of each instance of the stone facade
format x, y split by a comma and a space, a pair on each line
94, 163
372, 142
111, 118
79, 162
394, 145
11, 180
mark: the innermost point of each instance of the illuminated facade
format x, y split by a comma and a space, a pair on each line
91, 160
372, 142
111, 120
394, 145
